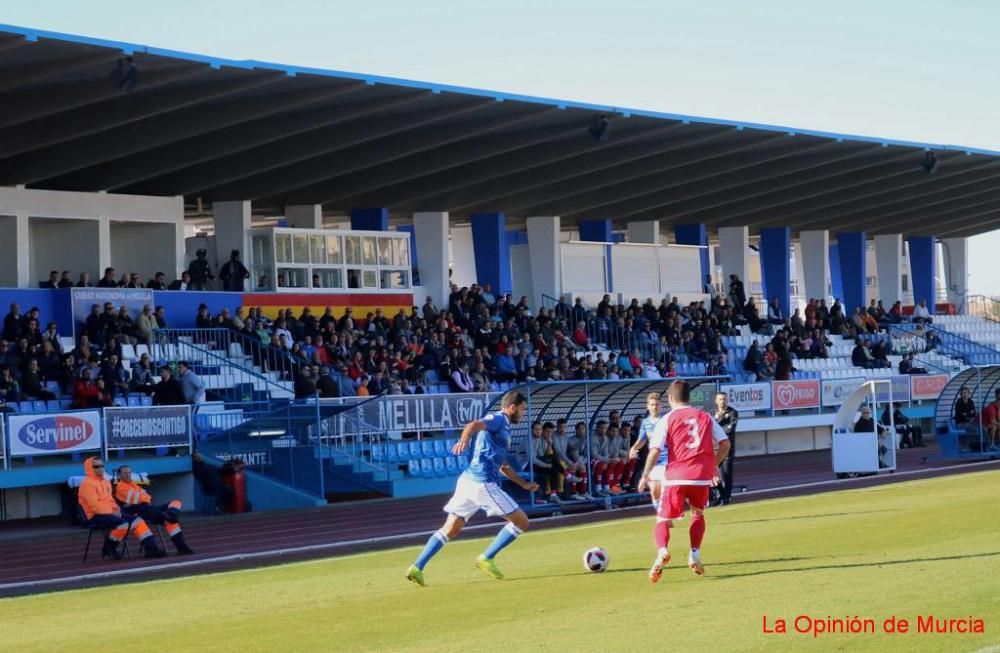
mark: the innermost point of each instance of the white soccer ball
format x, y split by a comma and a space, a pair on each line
596, 560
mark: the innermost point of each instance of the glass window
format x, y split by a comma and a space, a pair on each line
369, 279
317, 249
300, 248
368, 250
263, 277
333, 252
395, 279
283, 247
385, 251
330, 278
353, 278
352, 246
401, 252
291, 278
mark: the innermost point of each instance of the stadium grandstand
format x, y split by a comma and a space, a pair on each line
279, 287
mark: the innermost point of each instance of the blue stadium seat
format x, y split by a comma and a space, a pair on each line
378, 452
53, 387
439, 468
426, 468
402, 451
450, 442
439, 448
120, 401
146, 400
413, 467
451, 465
53, 405
432, 377
415, 450
463, 462
39, 406
23, 406
133, 400
427, 448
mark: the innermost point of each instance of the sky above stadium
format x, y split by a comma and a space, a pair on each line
910, 70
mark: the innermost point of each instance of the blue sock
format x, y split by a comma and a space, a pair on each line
434, 544
504, 538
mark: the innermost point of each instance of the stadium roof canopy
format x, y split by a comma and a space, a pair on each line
75, 115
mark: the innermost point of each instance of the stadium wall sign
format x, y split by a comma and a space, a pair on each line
795, 394
82, 299
748, 396
836, 391
927, 386
147, 427
54, 433
425, 412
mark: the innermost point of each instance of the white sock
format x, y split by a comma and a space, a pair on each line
663, 552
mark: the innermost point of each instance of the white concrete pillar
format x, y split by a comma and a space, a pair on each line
462, 256
546, 262
232, 229
103, 247
888, 252
733, 245
431, 232
815, 255
305, 216
644, 232
22, 231
956, 271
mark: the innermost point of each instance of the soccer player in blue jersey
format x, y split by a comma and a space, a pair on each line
478, 488
655, 408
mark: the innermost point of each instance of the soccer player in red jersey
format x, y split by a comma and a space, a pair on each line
696, 445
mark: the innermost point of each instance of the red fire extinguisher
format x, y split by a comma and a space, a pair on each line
234, 479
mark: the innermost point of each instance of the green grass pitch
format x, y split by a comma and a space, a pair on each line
909, 550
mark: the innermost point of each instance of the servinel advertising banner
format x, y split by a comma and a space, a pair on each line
54, 433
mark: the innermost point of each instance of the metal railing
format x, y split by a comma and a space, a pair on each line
951, 344
984, 306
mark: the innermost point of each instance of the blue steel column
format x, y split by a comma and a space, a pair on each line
853, 269
489, 243
370, 219
836, 281
776, 266
695, 234
923, 267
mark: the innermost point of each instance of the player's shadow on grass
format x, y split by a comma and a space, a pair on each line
820, 516
855, 565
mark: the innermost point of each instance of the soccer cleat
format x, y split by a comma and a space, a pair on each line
615, 490
662, 559
488, 566
694, 562
415, 576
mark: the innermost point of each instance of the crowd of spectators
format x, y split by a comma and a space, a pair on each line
34, 363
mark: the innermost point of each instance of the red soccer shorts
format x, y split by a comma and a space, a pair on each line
673, 499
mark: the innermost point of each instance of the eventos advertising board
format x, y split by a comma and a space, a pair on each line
786, 395
748, 396
54, 433
927, 386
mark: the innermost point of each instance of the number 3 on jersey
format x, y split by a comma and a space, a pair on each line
694, 433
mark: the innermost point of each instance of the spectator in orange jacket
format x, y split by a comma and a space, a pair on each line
136, 501
101, 511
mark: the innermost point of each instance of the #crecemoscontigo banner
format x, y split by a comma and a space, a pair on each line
148, 427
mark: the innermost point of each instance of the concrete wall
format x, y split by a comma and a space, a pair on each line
8, 251
59, 244
146, 248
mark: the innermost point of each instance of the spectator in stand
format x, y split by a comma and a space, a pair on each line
775, 316
67, 374
13, 324
10, 389
142, 376
145, 324
737, 294
191, 384
784, 369
362, 390
53, 281
716, 366
65, 281
326, 385
910, 435
49, 361
862, 356
184, 283
895, 314
108, 280
909, 366
115, 377
168, 391
931, 340
305, 386
200, 272
89, 393
234, 274
752, 316
460, 379
133, 281
84, 280
158, 282
51, 334
124, 329
31, 382
921, 314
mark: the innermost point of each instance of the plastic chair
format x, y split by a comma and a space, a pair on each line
415, 450
146, 400
439, 448
451, 465
427, 448
133, 400
439, 467
426, 468
106, 532
413, 467
402, 450
378, 452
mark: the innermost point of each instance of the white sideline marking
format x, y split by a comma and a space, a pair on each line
188, 564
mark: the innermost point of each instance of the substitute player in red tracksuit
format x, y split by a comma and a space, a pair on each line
101, 511
696, 445
137, 501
